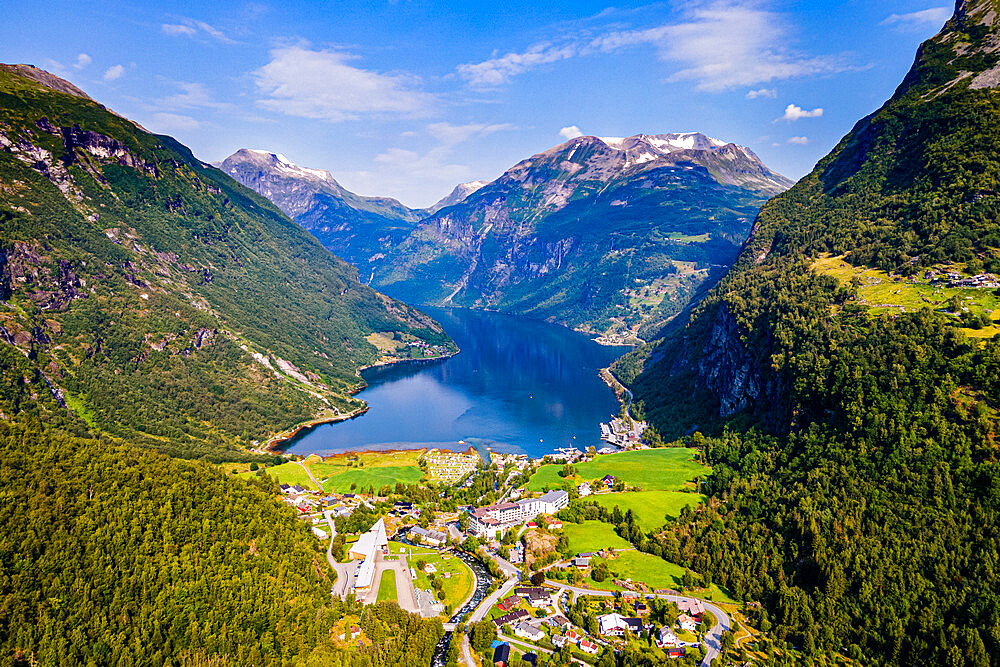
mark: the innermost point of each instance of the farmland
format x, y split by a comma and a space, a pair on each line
666, 469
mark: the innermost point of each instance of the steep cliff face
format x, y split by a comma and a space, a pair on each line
911, 187
611, 235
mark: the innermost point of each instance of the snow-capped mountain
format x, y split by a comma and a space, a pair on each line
458, 195
357, 228
583, 231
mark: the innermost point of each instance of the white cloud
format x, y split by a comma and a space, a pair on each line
794, 112
770, 93
725, 44
421, 178
933, 16
570, 132
114, 72
452, 135
172, 122
320, 84
192, 28
177, 30
193, 95
500, 69
798, 141
82, 61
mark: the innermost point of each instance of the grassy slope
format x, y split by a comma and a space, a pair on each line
652, 508
592, 536
666, 469
151, 254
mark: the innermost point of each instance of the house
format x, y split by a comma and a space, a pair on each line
501, 655
574, 636
558, 621
429, 568
531, 658
584, 489
678, 652
667, 638
509, 603
616, 624
641, 608
688, 623
555, 524
609, 480
558, 641
582, 563
319, 532
432, 537
588, 646
535, 596
512, 618
692, 607
529, 631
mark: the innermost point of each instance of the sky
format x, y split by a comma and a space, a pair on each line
407, 98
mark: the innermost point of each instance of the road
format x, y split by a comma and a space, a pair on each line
309, 472
713, 638
345, 571
513, 576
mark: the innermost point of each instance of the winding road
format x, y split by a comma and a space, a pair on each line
713, 638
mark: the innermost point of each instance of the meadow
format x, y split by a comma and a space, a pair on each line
664, 469
387, 586
592, 536
651, 508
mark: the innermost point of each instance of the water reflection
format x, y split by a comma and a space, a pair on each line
518, 385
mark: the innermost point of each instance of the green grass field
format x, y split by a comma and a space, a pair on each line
387, 587
366, 469
456, 588
288, 473
592, 536
650, 507
666, 469
652, 571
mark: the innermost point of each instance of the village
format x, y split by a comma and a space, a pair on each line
590, 591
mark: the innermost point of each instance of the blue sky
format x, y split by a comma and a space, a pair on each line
408, 98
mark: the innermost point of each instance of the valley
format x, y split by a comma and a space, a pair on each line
640, 400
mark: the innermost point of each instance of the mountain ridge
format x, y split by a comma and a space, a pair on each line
852, 435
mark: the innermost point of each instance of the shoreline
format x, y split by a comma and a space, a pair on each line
292, 431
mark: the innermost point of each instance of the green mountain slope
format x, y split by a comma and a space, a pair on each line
860, 461
613, 236
160, 300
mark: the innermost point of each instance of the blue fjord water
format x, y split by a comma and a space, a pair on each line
518, 385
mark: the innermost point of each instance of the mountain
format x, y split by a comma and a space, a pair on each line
458, 195
847, 373
358, 229
149, 302
160, 300
607, 235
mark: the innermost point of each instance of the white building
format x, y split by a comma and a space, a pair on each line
667, 638
497, 519
584, 489
367, 549
528, 631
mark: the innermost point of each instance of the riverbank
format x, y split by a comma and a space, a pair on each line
290, 433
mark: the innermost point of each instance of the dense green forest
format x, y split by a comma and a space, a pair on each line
114, 555
856, 449
142, 282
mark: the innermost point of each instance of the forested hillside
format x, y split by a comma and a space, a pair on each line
160, 300
859, 463
111, 554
